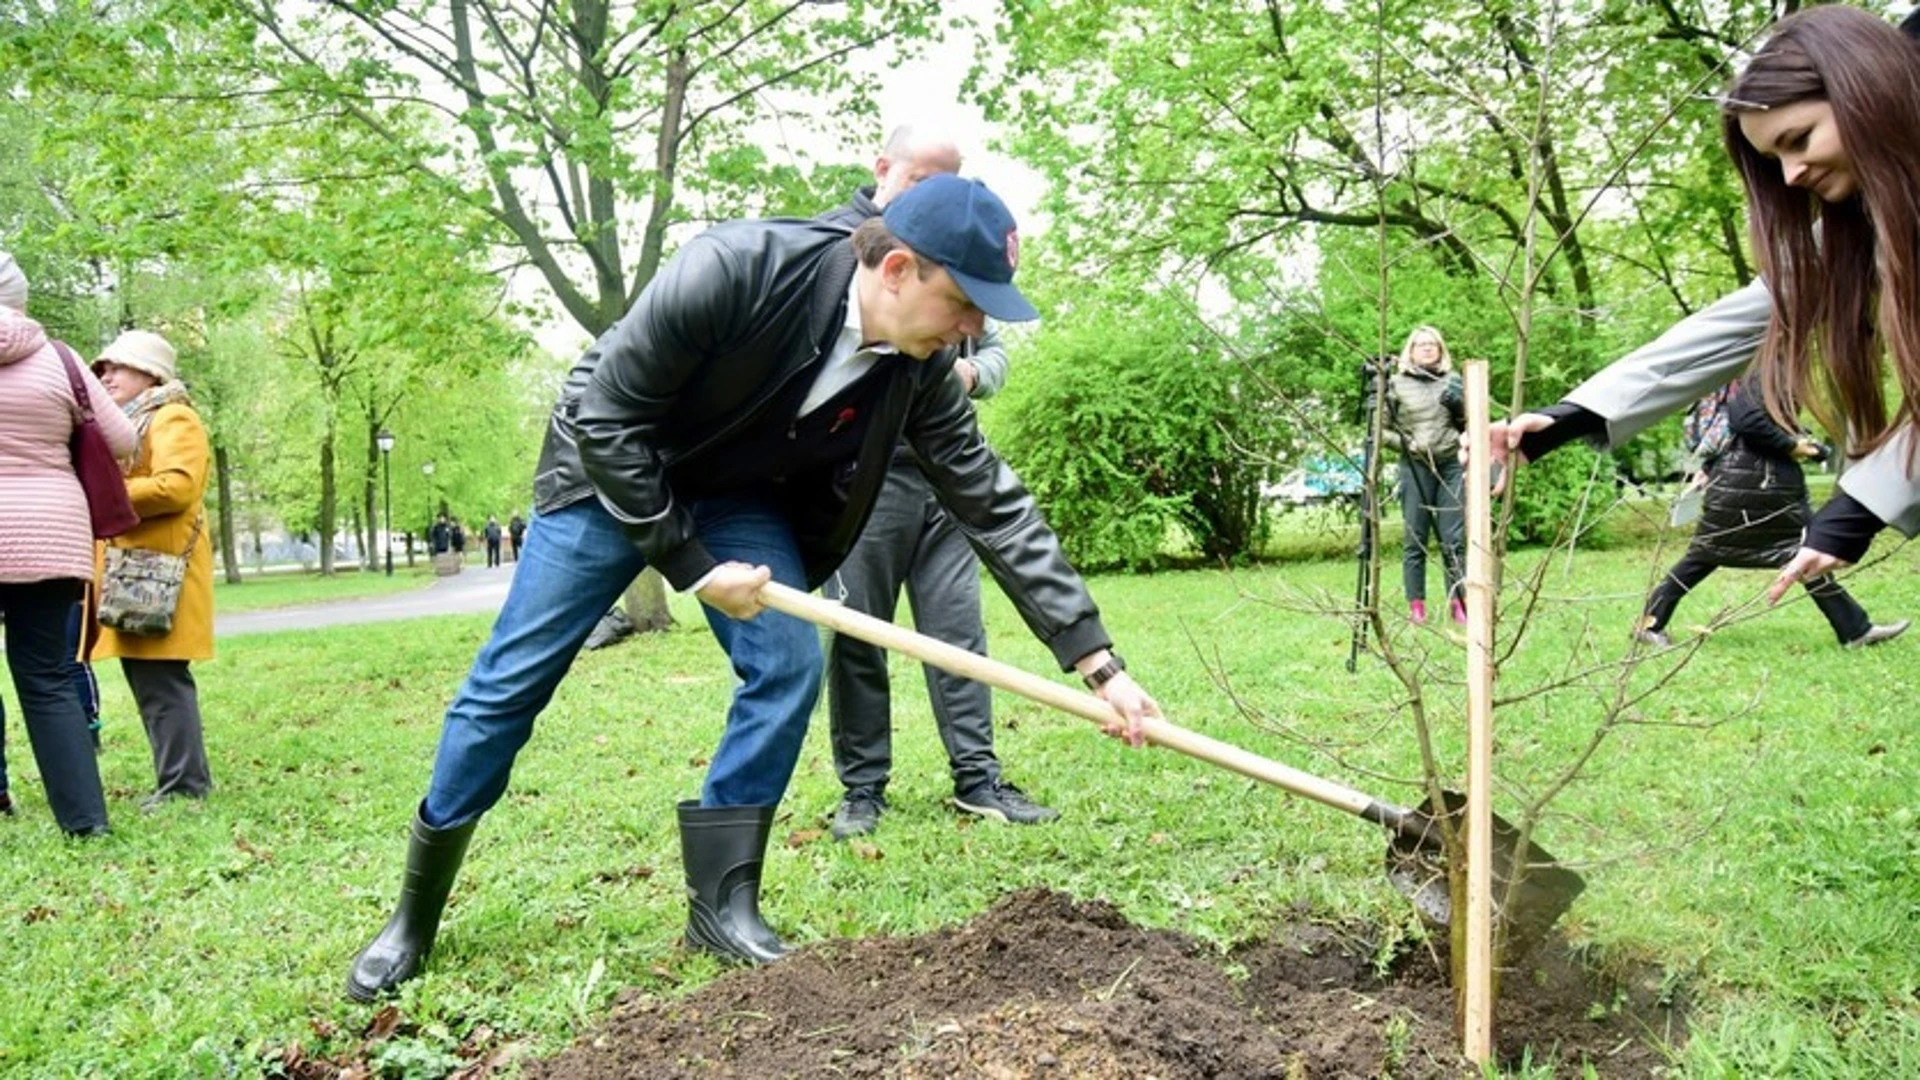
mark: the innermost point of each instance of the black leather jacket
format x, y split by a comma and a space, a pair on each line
740, 311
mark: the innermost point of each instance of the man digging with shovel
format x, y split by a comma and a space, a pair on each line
734, 429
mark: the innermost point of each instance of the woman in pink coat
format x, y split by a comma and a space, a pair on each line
46, 553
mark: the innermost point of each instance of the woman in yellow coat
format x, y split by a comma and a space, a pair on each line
166, 480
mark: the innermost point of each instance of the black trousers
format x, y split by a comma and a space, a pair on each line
909, 543
38, 657
1431, 505
1848, 619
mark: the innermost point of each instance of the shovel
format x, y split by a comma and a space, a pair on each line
1414, 860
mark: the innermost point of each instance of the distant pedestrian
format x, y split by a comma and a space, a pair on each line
46, 553
459, 539
516, 532
440, 536
492, 534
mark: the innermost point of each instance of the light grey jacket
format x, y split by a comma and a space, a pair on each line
1710, 349
989, 362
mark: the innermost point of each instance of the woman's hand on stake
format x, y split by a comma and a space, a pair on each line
1503, 445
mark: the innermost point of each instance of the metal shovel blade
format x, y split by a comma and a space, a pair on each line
1417, 867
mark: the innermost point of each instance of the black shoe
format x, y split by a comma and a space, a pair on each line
859, 812
433, 859
722, 848
6, 804
1878, 634
1001, 801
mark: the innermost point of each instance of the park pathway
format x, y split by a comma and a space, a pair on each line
470, 592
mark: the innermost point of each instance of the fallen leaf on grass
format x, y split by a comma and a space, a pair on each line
631, 873
802, 837
384, 1024
866, 849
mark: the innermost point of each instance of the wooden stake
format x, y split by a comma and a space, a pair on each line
1478, 1029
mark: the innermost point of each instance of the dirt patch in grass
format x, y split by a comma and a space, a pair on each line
1042, 985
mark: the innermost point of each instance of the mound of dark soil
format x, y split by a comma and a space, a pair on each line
1044, 986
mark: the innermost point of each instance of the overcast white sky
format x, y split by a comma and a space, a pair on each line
927, 92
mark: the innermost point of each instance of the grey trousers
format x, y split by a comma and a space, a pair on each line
1430, 504
170, 708
909, 541
37, 657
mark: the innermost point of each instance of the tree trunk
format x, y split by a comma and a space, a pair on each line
329, 511
646, 602
223, 476
374, 524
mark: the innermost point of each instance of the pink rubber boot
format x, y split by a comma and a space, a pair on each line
1417, 612
1459, 607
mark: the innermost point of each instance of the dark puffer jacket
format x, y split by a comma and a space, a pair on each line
1755, 506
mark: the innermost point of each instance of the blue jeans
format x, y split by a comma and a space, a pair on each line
80, 673
576, 563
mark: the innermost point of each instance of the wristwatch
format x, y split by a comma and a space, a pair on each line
1104, 674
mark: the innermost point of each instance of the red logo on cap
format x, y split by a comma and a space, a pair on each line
1013, 249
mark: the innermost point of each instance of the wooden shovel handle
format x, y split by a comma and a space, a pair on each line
841, 619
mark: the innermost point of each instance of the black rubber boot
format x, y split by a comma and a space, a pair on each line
722, 848
433, 858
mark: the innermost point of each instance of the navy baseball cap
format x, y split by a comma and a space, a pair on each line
967, 230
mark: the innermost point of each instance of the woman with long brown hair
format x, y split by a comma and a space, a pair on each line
1821, 126
1824, 126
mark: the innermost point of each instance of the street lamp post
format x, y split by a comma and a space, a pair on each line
385, 441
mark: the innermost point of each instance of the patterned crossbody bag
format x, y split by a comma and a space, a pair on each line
141, 587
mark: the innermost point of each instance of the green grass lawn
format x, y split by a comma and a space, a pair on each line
258, 592
1752, 832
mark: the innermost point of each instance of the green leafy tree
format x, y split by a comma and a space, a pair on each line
586, 132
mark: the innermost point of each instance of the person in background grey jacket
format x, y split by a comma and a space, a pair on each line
911, 543
1426, 412
1703, 352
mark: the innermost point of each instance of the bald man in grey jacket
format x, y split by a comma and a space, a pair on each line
910, 544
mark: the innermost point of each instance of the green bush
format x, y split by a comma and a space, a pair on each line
1131, 427
1552, 492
